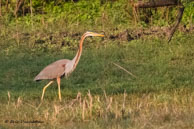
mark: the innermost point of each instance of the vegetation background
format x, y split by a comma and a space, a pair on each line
98, 94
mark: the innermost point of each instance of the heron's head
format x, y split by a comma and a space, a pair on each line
88, 33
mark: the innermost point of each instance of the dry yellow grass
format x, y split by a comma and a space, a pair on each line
153, 110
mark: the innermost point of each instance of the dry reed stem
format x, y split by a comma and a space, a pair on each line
9, 97
109, 104
19, 102
105, 95
124, 99
116, 110
57, 109
90, 103
83, 109
78, 99
125, 70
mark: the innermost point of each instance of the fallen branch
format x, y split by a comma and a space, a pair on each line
173, 29
125, 70
155, 3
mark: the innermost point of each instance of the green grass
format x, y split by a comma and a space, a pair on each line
160, 97
158, 66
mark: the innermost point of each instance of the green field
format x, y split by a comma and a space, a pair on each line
98, 94
161, 95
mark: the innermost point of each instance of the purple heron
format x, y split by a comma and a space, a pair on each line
62, 67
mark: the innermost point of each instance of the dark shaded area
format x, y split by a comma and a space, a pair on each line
162, 3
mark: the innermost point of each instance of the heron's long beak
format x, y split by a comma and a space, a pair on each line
96, 34
100, 35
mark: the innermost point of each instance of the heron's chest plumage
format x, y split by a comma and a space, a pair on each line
69, 68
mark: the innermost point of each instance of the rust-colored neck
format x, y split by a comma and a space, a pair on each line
79, 52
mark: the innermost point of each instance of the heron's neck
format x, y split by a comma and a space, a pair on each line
79, 52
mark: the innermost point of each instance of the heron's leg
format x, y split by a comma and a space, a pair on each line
45, 89
58, 82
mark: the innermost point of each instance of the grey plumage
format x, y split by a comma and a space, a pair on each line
56, 69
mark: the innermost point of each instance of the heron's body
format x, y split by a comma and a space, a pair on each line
56, 69
62, 67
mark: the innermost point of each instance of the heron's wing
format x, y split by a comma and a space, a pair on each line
52, 71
